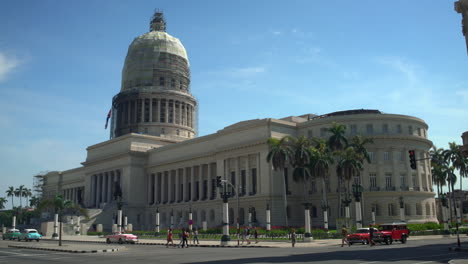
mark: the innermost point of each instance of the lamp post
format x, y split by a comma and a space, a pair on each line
307, 234
443, 199
357, 192
373, 215
268, 218
402, 208
324, 206
157, 221
225, 238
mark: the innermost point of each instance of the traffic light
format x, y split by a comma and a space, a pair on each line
218, 181
412, 159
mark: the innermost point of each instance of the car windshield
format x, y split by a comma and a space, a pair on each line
32, 231
362, 231
387, 228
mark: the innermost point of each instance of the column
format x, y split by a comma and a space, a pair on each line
99, 189
170, 181
151, 110
192, 183
173, 112
259, 178
200, 183
135, 114
156, 190
184, 181
208, 180
186, 115
109, 186
418, 172
94, 190
177, 184
128, 105
142, 110
163, 189
167, 110
180, 113
247, 176
149, 195
158, 110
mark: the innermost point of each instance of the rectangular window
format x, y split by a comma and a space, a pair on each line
413, 179
388, 181
189, 191
399, 156
197, 191
357, 179
323, 131
403, 180
309, 133
419, 131
371, 156
254, 181
373, 180
385, 128
386, 156
410, 130
353, 129
181, 192
205, 189
161, 81
370, 129
399, 130
172, 83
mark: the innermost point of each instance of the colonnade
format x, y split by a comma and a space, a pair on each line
102, 186
74, 194
156, 110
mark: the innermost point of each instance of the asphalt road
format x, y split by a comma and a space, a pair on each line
415, 252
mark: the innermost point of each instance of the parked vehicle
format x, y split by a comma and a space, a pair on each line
392, 232
362, 235
121, 238
11, 234
29, 234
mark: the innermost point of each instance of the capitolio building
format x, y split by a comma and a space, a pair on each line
161, 164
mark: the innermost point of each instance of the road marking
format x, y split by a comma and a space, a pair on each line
395, 259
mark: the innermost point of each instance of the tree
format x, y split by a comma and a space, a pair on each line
3, 201
278, 156
321, 159
59, 205
19, 193
11, 192
337, 140
34, 201
300, 158
457, 159
439, 177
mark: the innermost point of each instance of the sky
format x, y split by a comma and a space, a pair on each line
61, 63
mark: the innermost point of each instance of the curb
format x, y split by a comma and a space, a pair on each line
67, 250
163, 244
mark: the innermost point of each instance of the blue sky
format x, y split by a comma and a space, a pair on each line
61, 63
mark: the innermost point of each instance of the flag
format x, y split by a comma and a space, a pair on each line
108, 116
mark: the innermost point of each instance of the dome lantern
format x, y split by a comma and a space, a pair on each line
158, 23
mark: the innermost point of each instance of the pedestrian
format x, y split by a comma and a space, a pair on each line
169, 238
371, 236
181, 236
247, 235
293, 237
344, 236
184, 238
242, 235
256, 235
195, 236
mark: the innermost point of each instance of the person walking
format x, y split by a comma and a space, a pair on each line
181, 236
344, 236
371, 236
256, 235
169, 238
184, 238
247, 235
293, 237
242, 235
195, 236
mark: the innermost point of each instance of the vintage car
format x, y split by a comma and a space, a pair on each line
29, 234
361, 236
11, 234
392, 232
121, 238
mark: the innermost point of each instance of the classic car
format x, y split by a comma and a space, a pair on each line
121, 238
29, 234
392, 232
11, 234
360, 236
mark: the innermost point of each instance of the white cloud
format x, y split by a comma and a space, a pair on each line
7, 65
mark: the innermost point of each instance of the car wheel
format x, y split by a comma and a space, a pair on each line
351, 243
19, 239
403, 239
37, 240
108, 241
365, 242
387, 240
120, 241
3, 238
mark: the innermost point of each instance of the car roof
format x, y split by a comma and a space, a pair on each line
13, 230
29, 230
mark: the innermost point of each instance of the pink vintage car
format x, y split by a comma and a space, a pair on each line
121, 238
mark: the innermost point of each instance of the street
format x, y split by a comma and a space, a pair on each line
417, 251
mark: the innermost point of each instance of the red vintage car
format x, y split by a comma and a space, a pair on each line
392, 232
121, 238
361, 236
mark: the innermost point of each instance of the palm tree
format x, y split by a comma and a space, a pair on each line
19, 193
11, 192
34, 201
337, 140
59, 204
300, 158
27, 193
3, 201
321, 159
279, 155
458, 160
437, 162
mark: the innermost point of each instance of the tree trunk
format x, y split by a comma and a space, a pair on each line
285, 200
60, 230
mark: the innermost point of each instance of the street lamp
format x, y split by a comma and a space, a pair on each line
402, 208
307, 234
346, 202
225, 195
357, 192
324, 206
443, 200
